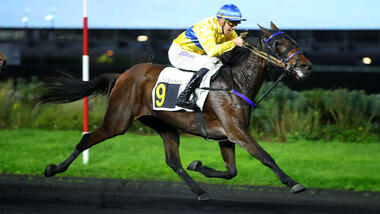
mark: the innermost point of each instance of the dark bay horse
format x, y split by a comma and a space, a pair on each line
226, 115
3, 62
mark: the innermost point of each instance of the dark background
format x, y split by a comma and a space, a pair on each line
336, 54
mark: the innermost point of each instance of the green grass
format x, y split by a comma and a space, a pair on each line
332, 165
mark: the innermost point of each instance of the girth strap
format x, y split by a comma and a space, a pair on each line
201, 123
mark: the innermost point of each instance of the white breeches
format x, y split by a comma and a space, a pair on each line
187, 60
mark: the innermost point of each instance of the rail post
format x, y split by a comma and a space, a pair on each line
85, 77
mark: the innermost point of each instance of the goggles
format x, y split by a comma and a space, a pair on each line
232, 23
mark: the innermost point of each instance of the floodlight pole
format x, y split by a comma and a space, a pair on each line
85, 76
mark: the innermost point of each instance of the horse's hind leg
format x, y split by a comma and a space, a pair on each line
87, 141
227, 149
52, 169
116, 121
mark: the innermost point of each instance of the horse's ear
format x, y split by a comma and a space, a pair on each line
274, 27
264, 30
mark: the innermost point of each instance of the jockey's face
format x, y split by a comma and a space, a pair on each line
229, 26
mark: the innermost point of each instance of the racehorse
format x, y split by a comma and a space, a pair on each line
3, 62
226, 116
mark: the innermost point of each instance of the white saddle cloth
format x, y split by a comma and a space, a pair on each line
171, 83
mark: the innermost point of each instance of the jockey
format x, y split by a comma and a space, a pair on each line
199, 47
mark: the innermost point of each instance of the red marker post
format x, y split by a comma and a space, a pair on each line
85, 76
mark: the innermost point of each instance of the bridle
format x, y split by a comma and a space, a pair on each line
270, 43
272, 56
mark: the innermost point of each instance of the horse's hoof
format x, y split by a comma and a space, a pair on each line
204, 197
50, 170
195, 165
297, 188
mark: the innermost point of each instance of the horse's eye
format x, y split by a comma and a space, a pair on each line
279, 43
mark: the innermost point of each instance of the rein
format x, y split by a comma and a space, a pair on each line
264, 55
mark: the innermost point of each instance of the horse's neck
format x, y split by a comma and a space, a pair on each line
249, 75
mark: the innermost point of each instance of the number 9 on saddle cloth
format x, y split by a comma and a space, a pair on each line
171, 83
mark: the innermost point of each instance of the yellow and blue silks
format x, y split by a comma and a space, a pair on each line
206, 37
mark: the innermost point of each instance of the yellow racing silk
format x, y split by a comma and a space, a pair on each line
206, 37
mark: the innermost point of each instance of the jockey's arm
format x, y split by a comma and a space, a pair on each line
207, 39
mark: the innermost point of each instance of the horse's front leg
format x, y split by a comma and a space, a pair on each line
246, 141
227, 150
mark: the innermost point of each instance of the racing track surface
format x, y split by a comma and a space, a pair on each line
36, 194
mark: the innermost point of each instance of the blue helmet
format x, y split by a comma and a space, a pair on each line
230, 12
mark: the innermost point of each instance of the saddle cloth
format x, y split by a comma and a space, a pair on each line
171, 83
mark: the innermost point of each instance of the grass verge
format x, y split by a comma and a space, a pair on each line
332, 165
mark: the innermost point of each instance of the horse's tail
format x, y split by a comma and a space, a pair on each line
68, 89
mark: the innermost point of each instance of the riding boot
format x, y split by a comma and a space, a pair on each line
183, 99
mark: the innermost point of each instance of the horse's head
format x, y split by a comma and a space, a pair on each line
287, 50
3, 61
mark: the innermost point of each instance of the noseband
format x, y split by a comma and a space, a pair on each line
270, 44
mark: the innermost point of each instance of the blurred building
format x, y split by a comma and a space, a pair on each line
341, 58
